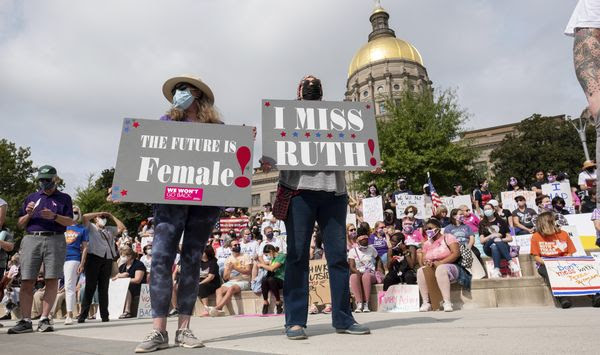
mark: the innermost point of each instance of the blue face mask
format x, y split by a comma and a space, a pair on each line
183, 99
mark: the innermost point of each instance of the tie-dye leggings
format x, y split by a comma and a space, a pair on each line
197, 223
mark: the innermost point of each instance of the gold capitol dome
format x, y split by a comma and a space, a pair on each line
383, 45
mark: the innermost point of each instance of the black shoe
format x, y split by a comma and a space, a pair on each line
22, 326
45, 326
279, 308
265, 309
596, 300
7, 316
564, 302
80, 320
173, 312
104, 320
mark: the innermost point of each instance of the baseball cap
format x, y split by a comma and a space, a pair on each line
494, 203
46, 172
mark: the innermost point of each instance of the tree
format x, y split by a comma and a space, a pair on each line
17, 180
540, 143
420, 134
92, 198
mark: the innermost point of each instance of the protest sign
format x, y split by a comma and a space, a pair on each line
509, 203
572, 231
399, 298
372, 210
561, 189
319, 135
318, 283
351, 218
524, 243
573, 276
504, 268
183, 163
117, 291
144, 308
405, 200
456, 201
585, 229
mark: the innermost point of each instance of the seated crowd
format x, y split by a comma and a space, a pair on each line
247, 253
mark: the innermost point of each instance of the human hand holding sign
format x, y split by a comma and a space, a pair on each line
30, 207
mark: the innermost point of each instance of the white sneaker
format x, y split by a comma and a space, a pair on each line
366, 308
68, 321
425, 307
514, 268
214, 312
495, 273
359, 308
447, 307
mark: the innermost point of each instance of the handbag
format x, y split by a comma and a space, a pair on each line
466, 257
115, 266
282, 201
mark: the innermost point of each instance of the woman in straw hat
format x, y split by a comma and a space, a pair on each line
192, 101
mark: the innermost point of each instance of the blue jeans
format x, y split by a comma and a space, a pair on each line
170, 221
497, 250
329, 211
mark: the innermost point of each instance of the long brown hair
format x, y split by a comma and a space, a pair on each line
207, 113
546, 225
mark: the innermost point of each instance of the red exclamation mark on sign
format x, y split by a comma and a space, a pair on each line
371, 144
243, 157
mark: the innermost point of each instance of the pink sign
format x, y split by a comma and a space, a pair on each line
183, 193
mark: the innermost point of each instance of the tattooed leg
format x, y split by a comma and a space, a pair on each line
586, 55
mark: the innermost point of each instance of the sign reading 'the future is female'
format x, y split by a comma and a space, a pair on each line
319, 135
183, 163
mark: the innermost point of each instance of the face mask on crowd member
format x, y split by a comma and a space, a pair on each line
551, 178
431, 232
235, 247
488, 210
269, 234
101, 222
363, 242
402, 184
352, 232
46, 184
513, 181
408, 227
76, 215
311, 88
276, 233
183, 98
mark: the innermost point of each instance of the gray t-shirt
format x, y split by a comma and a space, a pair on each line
462, 233
329, 181
98, 244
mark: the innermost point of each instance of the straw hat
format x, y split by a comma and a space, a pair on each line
588, 164
169, 86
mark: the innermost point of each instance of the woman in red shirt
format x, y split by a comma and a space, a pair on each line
550, 242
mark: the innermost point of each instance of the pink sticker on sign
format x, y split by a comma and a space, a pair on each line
183, 193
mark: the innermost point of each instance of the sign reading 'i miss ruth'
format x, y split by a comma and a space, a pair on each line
319, 135
183, 163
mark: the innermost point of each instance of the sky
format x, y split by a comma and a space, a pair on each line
70, 71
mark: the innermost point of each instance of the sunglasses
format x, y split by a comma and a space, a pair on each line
352, 230
45, 180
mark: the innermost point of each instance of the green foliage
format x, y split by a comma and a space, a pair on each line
540, 143
16, 181
92, 198
420, 134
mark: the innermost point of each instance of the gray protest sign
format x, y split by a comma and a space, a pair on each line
183, 163
319, 135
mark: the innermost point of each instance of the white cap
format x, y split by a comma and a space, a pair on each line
494, 203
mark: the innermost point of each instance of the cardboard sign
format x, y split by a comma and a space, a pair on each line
117, 292
399, 298
524, 243
456, 201
318, 282
319, 135
372, 210
573, 276
183, 163
144, 307
572, 231
562, 190
509, 203
504, 269
351, 218
405, 200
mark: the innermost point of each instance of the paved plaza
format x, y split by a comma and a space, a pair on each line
485, 331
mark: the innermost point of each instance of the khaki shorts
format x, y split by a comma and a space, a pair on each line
47, 250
